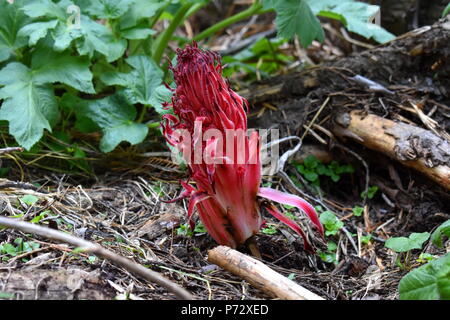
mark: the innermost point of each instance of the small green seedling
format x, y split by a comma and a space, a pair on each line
438, 235
8, 250
185, 230
366, 239
432, 280
357, 211
403, 246
331, 223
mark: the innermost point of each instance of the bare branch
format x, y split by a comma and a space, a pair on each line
98, 250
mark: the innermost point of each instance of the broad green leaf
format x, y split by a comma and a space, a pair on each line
331, 223
428, 282
29, 107
137, 33
109, 9
294, 17
37, 30
142, 85
129, 131
29, 199
115, 116
440, 232
403, 244
63, 32
50, 66
11, 21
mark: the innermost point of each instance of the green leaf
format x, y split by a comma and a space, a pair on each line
43, 8
29, 107
97, 37
268, 4
355, 15
11, 21
311, 162
294, 17
90, 36
370, 192
357, 211
331, 223
428, 282
446, 10
29, 199
143, 84
109, 9
311, 176
63, 32
137, 33
403, 244
269, 230
36, 31
141, 9
50, 67
115, 116
440, 232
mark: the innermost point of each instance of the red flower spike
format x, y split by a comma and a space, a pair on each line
228, 179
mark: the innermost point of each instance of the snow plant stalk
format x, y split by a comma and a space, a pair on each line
210, 117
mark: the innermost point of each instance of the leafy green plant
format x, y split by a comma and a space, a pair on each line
432, 280
262, 57
185, 230
439, 233
428, 282
269, 229
94, 66
312, 168
357, 211
370, 193
403, 246
17, 247
329, 255
29, 199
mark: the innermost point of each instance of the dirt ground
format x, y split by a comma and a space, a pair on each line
122, 208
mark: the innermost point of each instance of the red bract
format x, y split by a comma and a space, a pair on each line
209, 127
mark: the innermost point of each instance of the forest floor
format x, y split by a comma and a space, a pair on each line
121, 208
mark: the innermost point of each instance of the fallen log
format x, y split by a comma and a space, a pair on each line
259, 275
412, 146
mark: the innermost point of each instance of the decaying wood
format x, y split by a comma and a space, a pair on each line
414, 147
259, 275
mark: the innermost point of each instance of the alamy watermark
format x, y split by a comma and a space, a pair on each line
234, 146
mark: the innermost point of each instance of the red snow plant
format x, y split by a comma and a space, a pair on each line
209, 126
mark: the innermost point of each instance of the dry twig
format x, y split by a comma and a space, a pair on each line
98, 250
